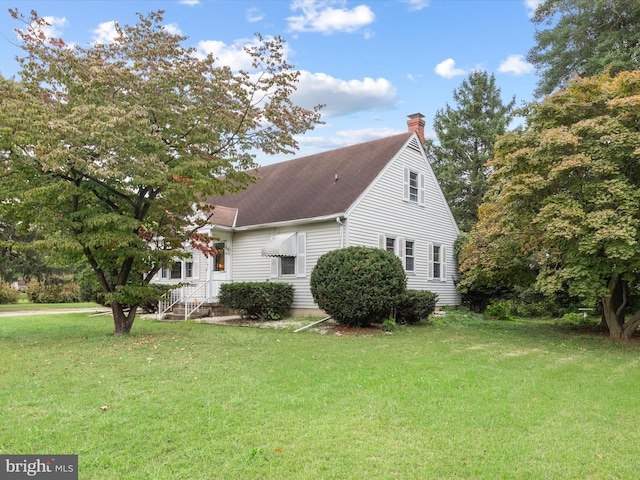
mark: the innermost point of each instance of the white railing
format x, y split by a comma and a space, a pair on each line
196, 299
168, 300
192, 296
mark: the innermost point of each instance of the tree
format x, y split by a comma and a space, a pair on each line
109, 149
19, 259
563, 199
466, 134
584, 38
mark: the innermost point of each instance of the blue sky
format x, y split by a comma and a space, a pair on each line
372, 62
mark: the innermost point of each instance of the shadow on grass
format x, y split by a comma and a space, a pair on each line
587, 333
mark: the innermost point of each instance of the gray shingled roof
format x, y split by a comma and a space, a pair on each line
306, 187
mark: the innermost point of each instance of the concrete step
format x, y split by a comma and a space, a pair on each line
205, 310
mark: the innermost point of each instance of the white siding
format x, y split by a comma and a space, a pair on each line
383, 210
193, 285
250, 266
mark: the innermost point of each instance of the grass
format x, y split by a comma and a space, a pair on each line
464, 398
24, 304
29, 306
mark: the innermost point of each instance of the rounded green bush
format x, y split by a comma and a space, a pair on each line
7, 293
358, 285
415, 306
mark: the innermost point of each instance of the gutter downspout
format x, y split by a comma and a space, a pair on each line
339, 220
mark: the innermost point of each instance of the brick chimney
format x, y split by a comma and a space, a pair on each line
416, 124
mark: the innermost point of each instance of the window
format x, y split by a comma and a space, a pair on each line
176, 270
218, 264
436, 261
287, 265
288, 253
390, 244
409, 259
413, 186
180, 270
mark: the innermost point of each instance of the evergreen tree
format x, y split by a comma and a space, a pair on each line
466, 134
584, 38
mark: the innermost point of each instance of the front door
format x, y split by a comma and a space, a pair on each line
219, 267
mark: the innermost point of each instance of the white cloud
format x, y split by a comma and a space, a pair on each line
54, 24
254, 15
343, 138
516, 64
320, 16
343, 97
416, 5
172, 28
190, 2
532, 5
52, 29
447, 69
105, 33
233, 56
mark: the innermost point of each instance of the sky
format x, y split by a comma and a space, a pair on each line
371, 62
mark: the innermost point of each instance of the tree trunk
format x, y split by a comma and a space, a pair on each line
614, 308
122, 320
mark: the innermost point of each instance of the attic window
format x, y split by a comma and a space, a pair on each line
414, 186
414, 144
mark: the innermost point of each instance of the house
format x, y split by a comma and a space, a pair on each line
381, 193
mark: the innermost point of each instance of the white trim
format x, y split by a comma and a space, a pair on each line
291, 223
301, 257
429, 261
406, 185
439, 190
443, 263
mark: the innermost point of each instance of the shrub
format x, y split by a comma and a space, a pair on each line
499, 310
258, 300
389, 324
54, 292
358, 285
90, 289
7, 293
415, 306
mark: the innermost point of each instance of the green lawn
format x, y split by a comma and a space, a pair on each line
464, 398
26, 305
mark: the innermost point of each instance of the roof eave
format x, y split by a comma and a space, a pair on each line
288, 223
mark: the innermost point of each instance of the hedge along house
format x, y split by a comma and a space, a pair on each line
382, 193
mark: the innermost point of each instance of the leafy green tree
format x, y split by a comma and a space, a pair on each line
563, 200
584, 38
109, 149
466, 134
